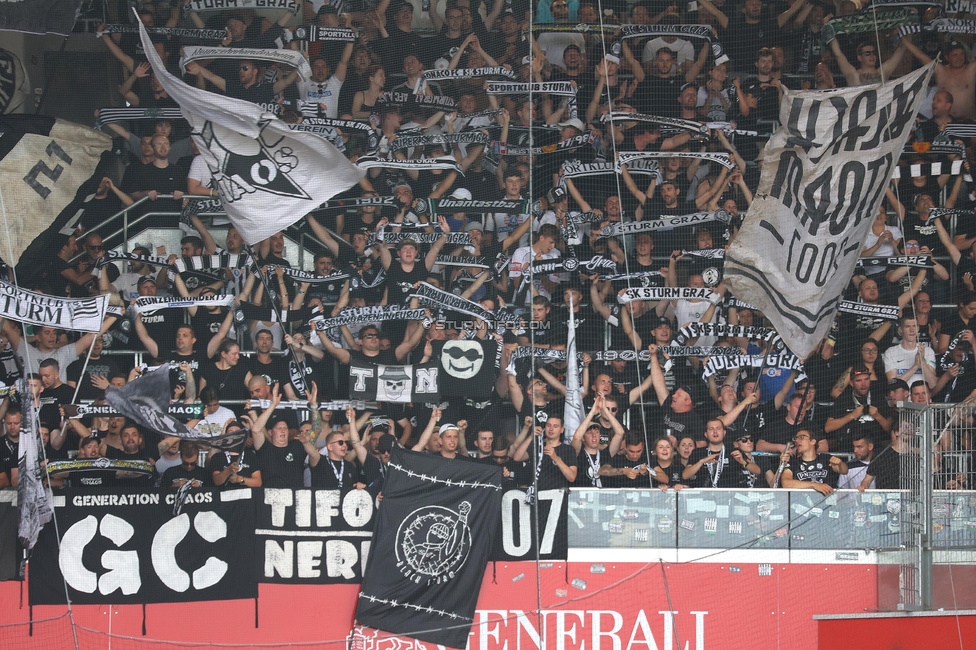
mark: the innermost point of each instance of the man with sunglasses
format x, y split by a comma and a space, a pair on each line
809, 469
867, 70
249, 84
338, 469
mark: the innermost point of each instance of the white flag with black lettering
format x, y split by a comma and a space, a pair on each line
268, 176
824, 174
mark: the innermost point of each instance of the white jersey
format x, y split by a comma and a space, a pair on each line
326, 94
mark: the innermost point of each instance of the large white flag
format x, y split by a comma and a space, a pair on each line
268, 176
824, 175
573, 411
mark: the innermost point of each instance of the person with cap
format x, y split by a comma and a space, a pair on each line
957, 378
956, 76
451, 446
855, 404
249, 84
897, 392
126, 284
398, 38
504, 43
809, 468
677, 414
324, 86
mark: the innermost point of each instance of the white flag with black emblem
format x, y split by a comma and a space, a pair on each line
268, 176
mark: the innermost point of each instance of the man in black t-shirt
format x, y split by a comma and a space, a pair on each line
80, 374
133, 448
337, 471
808, 469
187, 471
282, 461
558, 465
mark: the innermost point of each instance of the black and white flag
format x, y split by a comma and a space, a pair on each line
46, 167
825, 173
431, 545
146, 401
36, 508
370, 382
78, 314
268, 176
468, 367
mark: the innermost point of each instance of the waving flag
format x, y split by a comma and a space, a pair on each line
824, 175
268, 176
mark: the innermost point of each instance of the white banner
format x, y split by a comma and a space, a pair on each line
824, 175
78, 314
285, 57
268, 176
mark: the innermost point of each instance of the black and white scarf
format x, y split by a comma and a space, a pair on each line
667, 293
437, 102
286, 57
431, 296
358, 315
724, 159
469, 73
392, 238
316, 34
677, 123
916, 261
664, 223
152, 304
564, 88
467, 137
722, 330
109, 115
887, 312
202, 34
443, 162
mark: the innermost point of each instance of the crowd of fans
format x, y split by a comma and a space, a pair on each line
651, 419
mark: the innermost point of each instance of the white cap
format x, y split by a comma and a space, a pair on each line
461, 194
447, 427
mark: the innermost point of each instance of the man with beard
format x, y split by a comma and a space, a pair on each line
863, 455
854, 405
629, 467
809, 469
956, 77
10, 447
132, 449
678, 406
187, 471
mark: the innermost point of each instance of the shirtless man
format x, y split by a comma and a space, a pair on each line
867, 71
957, 76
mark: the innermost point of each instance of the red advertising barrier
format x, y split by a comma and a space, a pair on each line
559, 606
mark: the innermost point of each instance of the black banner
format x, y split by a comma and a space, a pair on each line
313, 536
9, 550
128, 548
433, 542
515, 539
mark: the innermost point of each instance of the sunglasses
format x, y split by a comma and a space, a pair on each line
369, 336
500, 458
744, 439
869, 53
245, 68
338, 442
